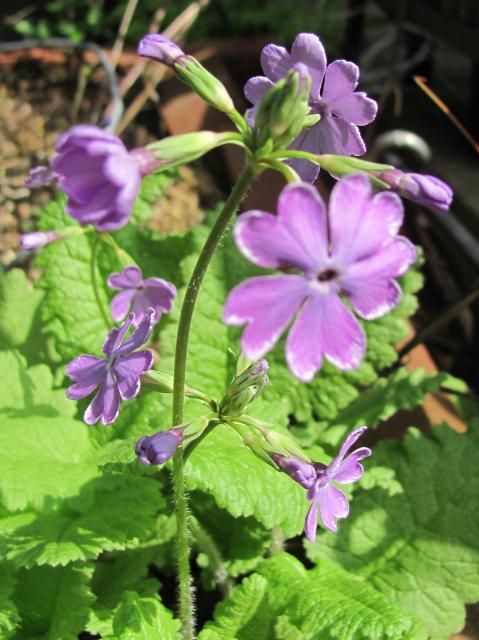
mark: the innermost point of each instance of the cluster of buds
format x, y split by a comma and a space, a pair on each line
243, 389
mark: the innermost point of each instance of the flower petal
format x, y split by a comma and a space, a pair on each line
87, 372
256, 87
275, 62
306, 141
324, 328
356, 108
106, 404
333, 504
311, 522
360, 224
116, 336
296, 237
130, 278
340, 80
140, 335
350, 469
128, 369
308, 49
160, 294
121, 303
266, 304
350, 439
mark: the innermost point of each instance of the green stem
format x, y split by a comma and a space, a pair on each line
192, 290
208, 546
288, 172
94, 282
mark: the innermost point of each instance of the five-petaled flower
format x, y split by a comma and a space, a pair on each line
355, 251
99, 176
116, 376
333, 97
138, 295
319, 480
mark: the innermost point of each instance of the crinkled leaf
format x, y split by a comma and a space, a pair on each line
145, 618
9, 617
53, 602
419, 547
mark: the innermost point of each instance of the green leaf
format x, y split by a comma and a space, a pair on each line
9, 617
418, 546
240, 615
244, 485
139, 618
152, 189
117, 519
401, 390
53, 602
19, 303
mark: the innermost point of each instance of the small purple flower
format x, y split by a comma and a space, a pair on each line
40, 176
333, 97
318, 479
38, 239
159, 447
99, 176
355, 251
160, 48
138, 295
426, 190
117, 376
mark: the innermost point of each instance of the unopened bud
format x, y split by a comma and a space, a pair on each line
425, 190
185, 148
159, 447
244, 389
38, 239
160, 48
204, 83
282, 112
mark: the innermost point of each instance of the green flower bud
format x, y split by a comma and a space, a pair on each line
244, 389
187, 147
204, 83
282, 112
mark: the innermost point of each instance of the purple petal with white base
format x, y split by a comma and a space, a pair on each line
116, 377
333, 96
356, 253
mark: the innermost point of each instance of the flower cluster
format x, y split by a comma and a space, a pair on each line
353, 250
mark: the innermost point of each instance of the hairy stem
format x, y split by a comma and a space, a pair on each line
94, 282
208, 546
191, 295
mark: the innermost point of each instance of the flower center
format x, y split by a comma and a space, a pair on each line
327, 275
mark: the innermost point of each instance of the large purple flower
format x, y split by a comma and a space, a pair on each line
318, 479
355, 251
99, 176
333, 97
139, 295
117, 376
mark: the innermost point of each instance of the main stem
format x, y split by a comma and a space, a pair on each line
191, 295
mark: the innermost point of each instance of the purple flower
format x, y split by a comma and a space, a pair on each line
40, 176
116, 376
139, 295
159, 447
38, 239
159, 48
355, 251
333, 97
318, 479
426, 190
100, 178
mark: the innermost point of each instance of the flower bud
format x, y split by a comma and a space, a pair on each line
425, 190
160, 48
159, 447
282, 112
303, 472
185, 148
244, 388
204, 83
38, 239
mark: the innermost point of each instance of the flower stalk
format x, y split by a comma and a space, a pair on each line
186, 599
